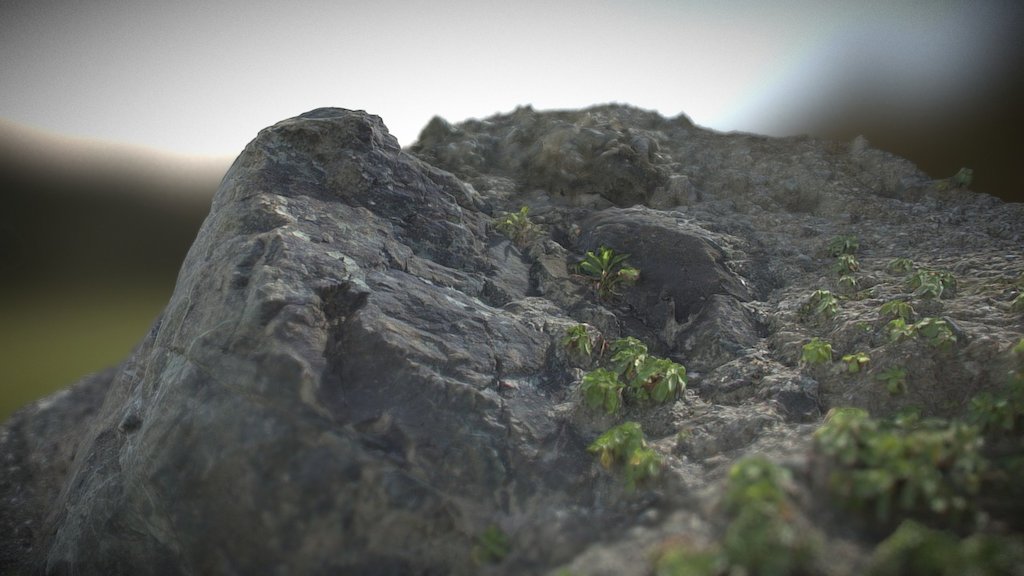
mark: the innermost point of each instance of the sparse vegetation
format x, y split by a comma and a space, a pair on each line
843, 245
906, 466
578, 342
608, 272
761, 537
821, 303
517, 227
846, 264
1017, 305
817, 351
855, 362
624, 445
916, 549
897, 309
635, 374
932, 284
936, 331
900, 265
895, 381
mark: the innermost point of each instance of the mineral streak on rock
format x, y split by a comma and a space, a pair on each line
356, 374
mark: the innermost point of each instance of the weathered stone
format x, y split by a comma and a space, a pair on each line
357, 373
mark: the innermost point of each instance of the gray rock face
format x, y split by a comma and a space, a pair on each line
357, 374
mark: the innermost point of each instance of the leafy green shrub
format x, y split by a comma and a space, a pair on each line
900, 265
916, 549
659, 379
843, 245
624, 444
846, 264
628, 355
854, 362
578, 342
897, 309
1001, 413
517, 227
907, 465
821, 303
936, 331
491, 546
608, 271
761, 537
602, 389
932, 283
963, 177
895, 380
817, 351
899, 330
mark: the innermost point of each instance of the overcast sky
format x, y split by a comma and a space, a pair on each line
202, 77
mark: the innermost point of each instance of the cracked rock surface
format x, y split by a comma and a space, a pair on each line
357, 374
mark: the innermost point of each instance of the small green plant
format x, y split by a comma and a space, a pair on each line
899, 330
492, 546
817, 351
897, 309
932, 283
517, 227
608, 272
846, 264
895, 380
900, 265
602, 389
761, 537
821, 303
578, 342
843, 245
937, 332
625, 445
855, 362
909, 466
847, 284
628, 355
1001, 413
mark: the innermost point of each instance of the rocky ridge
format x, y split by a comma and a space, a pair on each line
358, 373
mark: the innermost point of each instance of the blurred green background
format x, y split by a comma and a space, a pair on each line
91, 239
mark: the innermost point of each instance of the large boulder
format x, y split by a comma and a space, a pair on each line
358, 373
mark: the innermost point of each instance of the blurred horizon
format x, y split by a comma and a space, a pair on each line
118, 119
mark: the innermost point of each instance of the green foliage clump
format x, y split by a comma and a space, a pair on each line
932, 283
846, 264
602, 389
847, 284
608, 271
916, 549
761, 537
900, 265
817, 351
855, 362
1001, 413
625, 445
821, 303
517, 227
634, 374
910, 466
578, 342
842, 245
491, 547
963, 177
936, 331
895, 380
897, 309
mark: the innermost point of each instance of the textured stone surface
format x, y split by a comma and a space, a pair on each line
357, 374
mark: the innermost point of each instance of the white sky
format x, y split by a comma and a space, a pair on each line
202, 77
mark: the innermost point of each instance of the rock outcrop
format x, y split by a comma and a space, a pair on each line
358, 374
